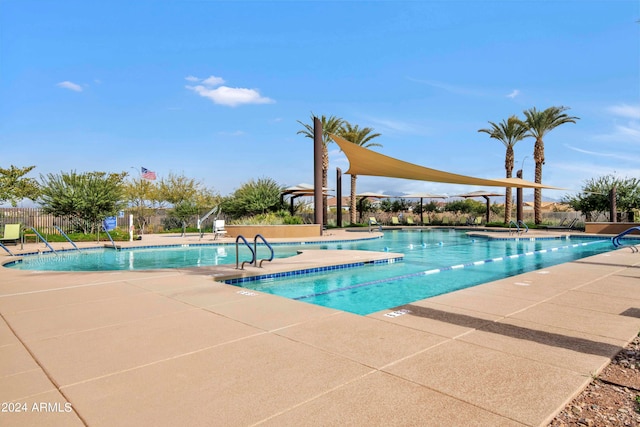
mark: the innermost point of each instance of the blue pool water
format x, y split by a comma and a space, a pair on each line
436, 261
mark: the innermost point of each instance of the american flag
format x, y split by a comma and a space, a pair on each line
147, 174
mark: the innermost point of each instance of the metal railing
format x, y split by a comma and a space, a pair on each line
255, 250
253, 253
66, 237
616, 239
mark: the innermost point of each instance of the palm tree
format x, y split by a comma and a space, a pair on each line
361, 137
329, 125
538, 124
509, 132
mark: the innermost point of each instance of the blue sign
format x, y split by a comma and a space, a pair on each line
110, 223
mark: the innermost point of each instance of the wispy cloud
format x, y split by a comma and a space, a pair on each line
234, 133
390, 126
626, 111
603, 154
447, 87
70, 85
513, 93
628, 132
223, 95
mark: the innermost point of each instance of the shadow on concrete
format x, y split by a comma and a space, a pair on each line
580, 345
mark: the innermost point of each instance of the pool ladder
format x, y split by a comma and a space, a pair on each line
518, 228
616, 240
254, 251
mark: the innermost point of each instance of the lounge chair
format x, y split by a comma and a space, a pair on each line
570, 226
11, 234
218, 228
409, 221
373, 221
395, 221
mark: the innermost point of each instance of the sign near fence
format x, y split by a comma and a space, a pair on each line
110, 223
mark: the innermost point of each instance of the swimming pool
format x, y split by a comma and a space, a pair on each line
436, 261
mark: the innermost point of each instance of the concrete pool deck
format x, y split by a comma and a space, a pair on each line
174, 347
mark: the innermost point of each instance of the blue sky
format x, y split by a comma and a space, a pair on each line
213, 89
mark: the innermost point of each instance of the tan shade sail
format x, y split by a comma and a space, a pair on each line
363, 161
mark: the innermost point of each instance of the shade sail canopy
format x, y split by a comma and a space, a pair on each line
363, 161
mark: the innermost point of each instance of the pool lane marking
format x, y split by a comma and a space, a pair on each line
439, 270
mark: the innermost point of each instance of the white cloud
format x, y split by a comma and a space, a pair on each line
70, 85
213, 81
459, 90
628, 132
224, 95
627, 111
513, 94
624, 156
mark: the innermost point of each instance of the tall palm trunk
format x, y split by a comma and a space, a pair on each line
508, 166
538, 157
352, 208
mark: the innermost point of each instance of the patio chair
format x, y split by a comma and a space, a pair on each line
218, 228
410, 221
373, 221
11, 234
395, 220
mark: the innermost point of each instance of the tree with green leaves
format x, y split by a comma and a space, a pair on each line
330, 125
86, 198
361, 137
143, 198
187, 197
508, 132
14, 187
539, 123
254, 197
593, 200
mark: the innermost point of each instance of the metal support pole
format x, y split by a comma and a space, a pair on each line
519, 199
339, 197
612, 205
317, 172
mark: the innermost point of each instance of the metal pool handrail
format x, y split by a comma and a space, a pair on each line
6, 249
44, 240
616, 240
66, 237
253, 253
521, 222
516, 225
255, 250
